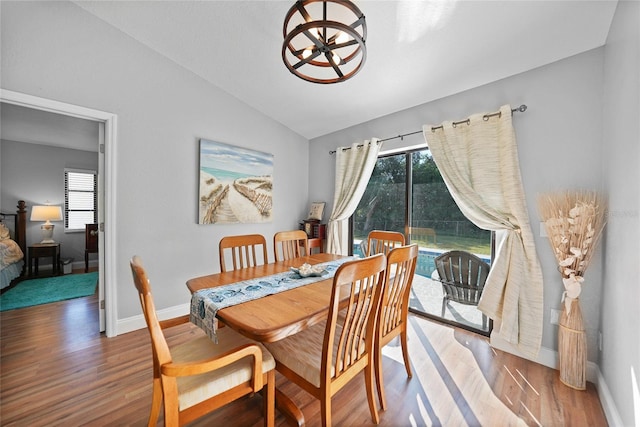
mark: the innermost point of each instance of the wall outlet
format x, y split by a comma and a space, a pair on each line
555, 316
543, 230
600, 340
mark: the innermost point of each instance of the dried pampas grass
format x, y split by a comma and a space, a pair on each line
574, 221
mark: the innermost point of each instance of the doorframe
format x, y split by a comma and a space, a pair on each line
107, 249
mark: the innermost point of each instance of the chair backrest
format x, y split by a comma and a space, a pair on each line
91, 238
382, 241
161, 353
394, 306
363, 279
245, 250
422, 233
462, 275
290, 244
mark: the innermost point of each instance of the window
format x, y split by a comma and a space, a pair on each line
80, 199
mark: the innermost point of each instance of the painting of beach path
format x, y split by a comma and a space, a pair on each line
236, 184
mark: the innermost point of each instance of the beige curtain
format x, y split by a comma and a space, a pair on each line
354, 166
478, 160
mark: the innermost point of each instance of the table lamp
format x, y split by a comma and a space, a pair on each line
46, 213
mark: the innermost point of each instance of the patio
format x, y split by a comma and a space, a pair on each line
426, 296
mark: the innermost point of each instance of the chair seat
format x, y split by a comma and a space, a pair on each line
302, 352
197, 388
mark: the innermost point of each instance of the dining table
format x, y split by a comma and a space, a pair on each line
275, 316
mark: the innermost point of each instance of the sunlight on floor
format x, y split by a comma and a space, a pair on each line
449, 370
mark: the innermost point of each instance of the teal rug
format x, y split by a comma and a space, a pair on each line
50, 289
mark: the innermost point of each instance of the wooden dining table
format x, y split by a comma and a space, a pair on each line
274, 317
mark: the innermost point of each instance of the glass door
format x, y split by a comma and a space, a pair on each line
406, 193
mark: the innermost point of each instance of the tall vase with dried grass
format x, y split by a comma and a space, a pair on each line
573, 221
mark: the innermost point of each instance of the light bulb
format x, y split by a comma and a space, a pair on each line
306, 53
336, 59
342, 37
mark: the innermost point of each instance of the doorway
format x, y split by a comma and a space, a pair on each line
106, 141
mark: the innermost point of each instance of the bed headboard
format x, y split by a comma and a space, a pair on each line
19, 224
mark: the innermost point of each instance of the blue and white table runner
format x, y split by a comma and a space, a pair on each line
205, 303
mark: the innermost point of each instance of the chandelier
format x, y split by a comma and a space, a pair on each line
324, 40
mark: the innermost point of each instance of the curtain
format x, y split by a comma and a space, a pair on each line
354, 166
478, 161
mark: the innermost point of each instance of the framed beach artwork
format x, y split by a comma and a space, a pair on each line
236, 184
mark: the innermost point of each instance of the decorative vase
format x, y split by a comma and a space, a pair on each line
572, 347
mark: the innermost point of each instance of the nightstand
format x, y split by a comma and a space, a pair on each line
44, 250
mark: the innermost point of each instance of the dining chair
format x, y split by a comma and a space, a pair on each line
90, 243
326, 356
382, 241
462, 275
290, 244
315, 243
199, 376
394, 309
245, 250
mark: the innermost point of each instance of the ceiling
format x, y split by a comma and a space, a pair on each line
417, 51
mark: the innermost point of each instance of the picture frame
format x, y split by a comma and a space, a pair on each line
236, 184
316, 211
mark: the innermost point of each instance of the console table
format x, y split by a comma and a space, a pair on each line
43, 250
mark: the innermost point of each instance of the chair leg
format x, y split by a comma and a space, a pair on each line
380, 378
156, 403
270, 399
484, 321
325, 408
86, 262
405, 350
444, 305
369, 379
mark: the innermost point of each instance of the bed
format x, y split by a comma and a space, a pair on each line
12, 245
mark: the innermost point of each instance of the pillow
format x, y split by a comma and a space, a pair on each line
4, 232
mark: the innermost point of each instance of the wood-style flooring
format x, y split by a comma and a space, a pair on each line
57, 370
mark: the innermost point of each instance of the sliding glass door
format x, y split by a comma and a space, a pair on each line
406, 193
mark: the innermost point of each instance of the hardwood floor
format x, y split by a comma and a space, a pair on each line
57, 370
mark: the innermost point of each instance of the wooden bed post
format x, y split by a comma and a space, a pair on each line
21, 230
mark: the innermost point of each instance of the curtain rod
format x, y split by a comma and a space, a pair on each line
520, 109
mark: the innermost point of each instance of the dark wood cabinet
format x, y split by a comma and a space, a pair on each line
90, 243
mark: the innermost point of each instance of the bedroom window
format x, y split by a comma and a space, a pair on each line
80, 199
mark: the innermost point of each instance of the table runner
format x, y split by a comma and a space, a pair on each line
205, 303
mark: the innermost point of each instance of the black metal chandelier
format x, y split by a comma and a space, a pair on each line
324, 40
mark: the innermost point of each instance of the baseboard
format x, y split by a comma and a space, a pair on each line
546, 356
134, 323
608, 405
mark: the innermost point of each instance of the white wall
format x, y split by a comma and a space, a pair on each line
561, 128
35, 173
58, 51
620, 151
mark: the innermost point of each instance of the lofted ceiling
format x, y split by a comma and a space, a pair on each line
417, 51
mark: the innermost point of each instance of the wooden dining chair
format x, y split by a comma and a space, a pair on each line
394, 309
325, 357
382, 241
245, 251
200, 376
290, 244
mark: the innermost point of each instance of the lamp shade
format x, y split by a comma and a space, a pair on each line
46, 213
